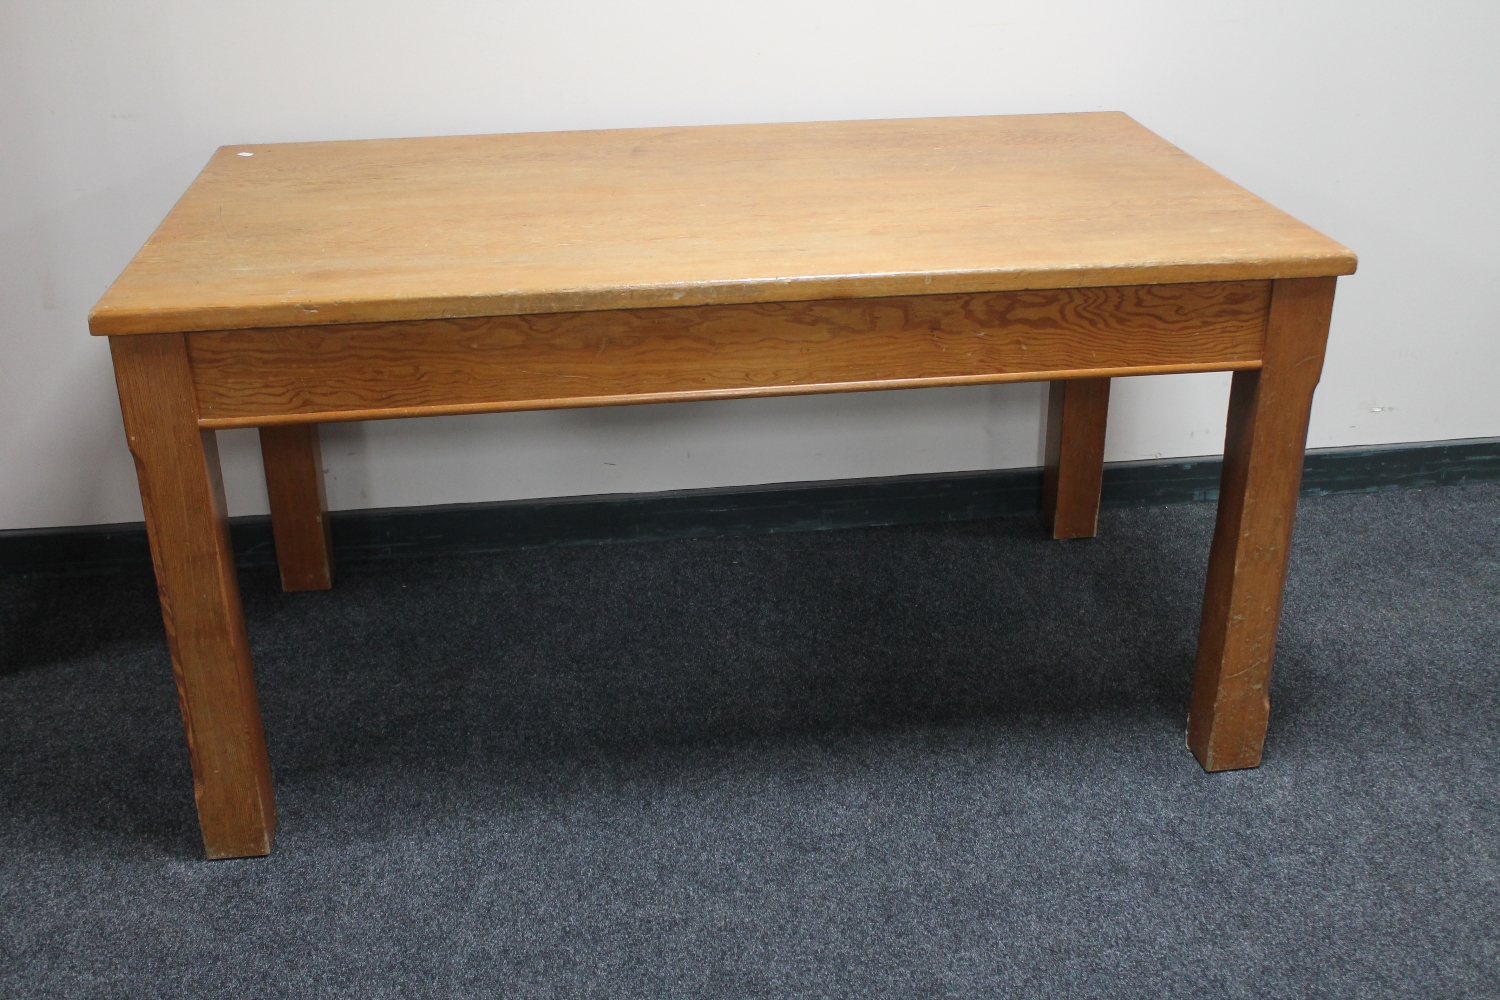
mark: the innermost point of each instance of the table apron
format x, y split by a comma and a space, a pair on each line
262, 377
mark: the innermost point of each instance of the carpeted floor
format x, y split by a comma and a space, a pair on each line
905, 762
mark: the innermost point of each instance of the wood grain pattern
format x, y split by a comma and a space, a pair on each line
293, 460
1073, 469
411, 229
256, 377
1263, 453
183, 496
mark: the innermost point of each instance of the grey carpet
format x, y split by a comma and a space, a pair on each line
917, 761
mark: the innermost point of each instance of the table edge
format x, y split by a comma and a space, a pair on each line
112, 322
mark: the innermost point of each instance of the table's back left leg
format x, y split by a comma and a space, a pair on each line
183, 496
299, 505
1077, 412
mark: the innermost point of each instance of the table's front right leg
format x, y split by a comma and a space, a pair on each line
1263, 452
177, 465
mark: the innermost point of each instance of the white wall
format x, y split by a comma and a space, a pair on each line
1372, 120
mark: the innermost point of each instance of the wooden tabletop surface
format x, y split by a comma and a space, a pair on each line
316, 233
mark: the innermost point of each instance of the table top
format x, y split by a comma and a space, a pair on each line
300, 234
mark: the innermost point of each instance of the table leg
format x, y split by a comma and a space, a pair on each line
1263, 453
177, 465
299, 505
1077, 411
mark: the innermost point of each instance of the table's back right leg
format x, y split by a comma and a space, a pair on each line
1077, 411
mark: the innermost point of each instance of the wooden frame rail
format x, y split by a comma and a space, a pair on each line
255, 378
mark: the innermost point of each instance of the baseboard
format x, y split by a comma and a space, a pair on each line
954, 496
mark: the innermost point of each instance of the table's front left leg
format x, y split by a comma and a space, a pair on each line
299, 505
177, 465
1263, 453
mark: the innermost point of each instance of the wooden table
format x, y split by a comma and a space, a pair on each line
303, 283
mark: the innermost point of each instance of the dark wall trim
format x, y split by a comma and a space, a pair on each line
956, 496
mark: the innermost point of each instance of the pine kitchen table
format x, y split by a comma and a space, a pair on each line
296, 284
